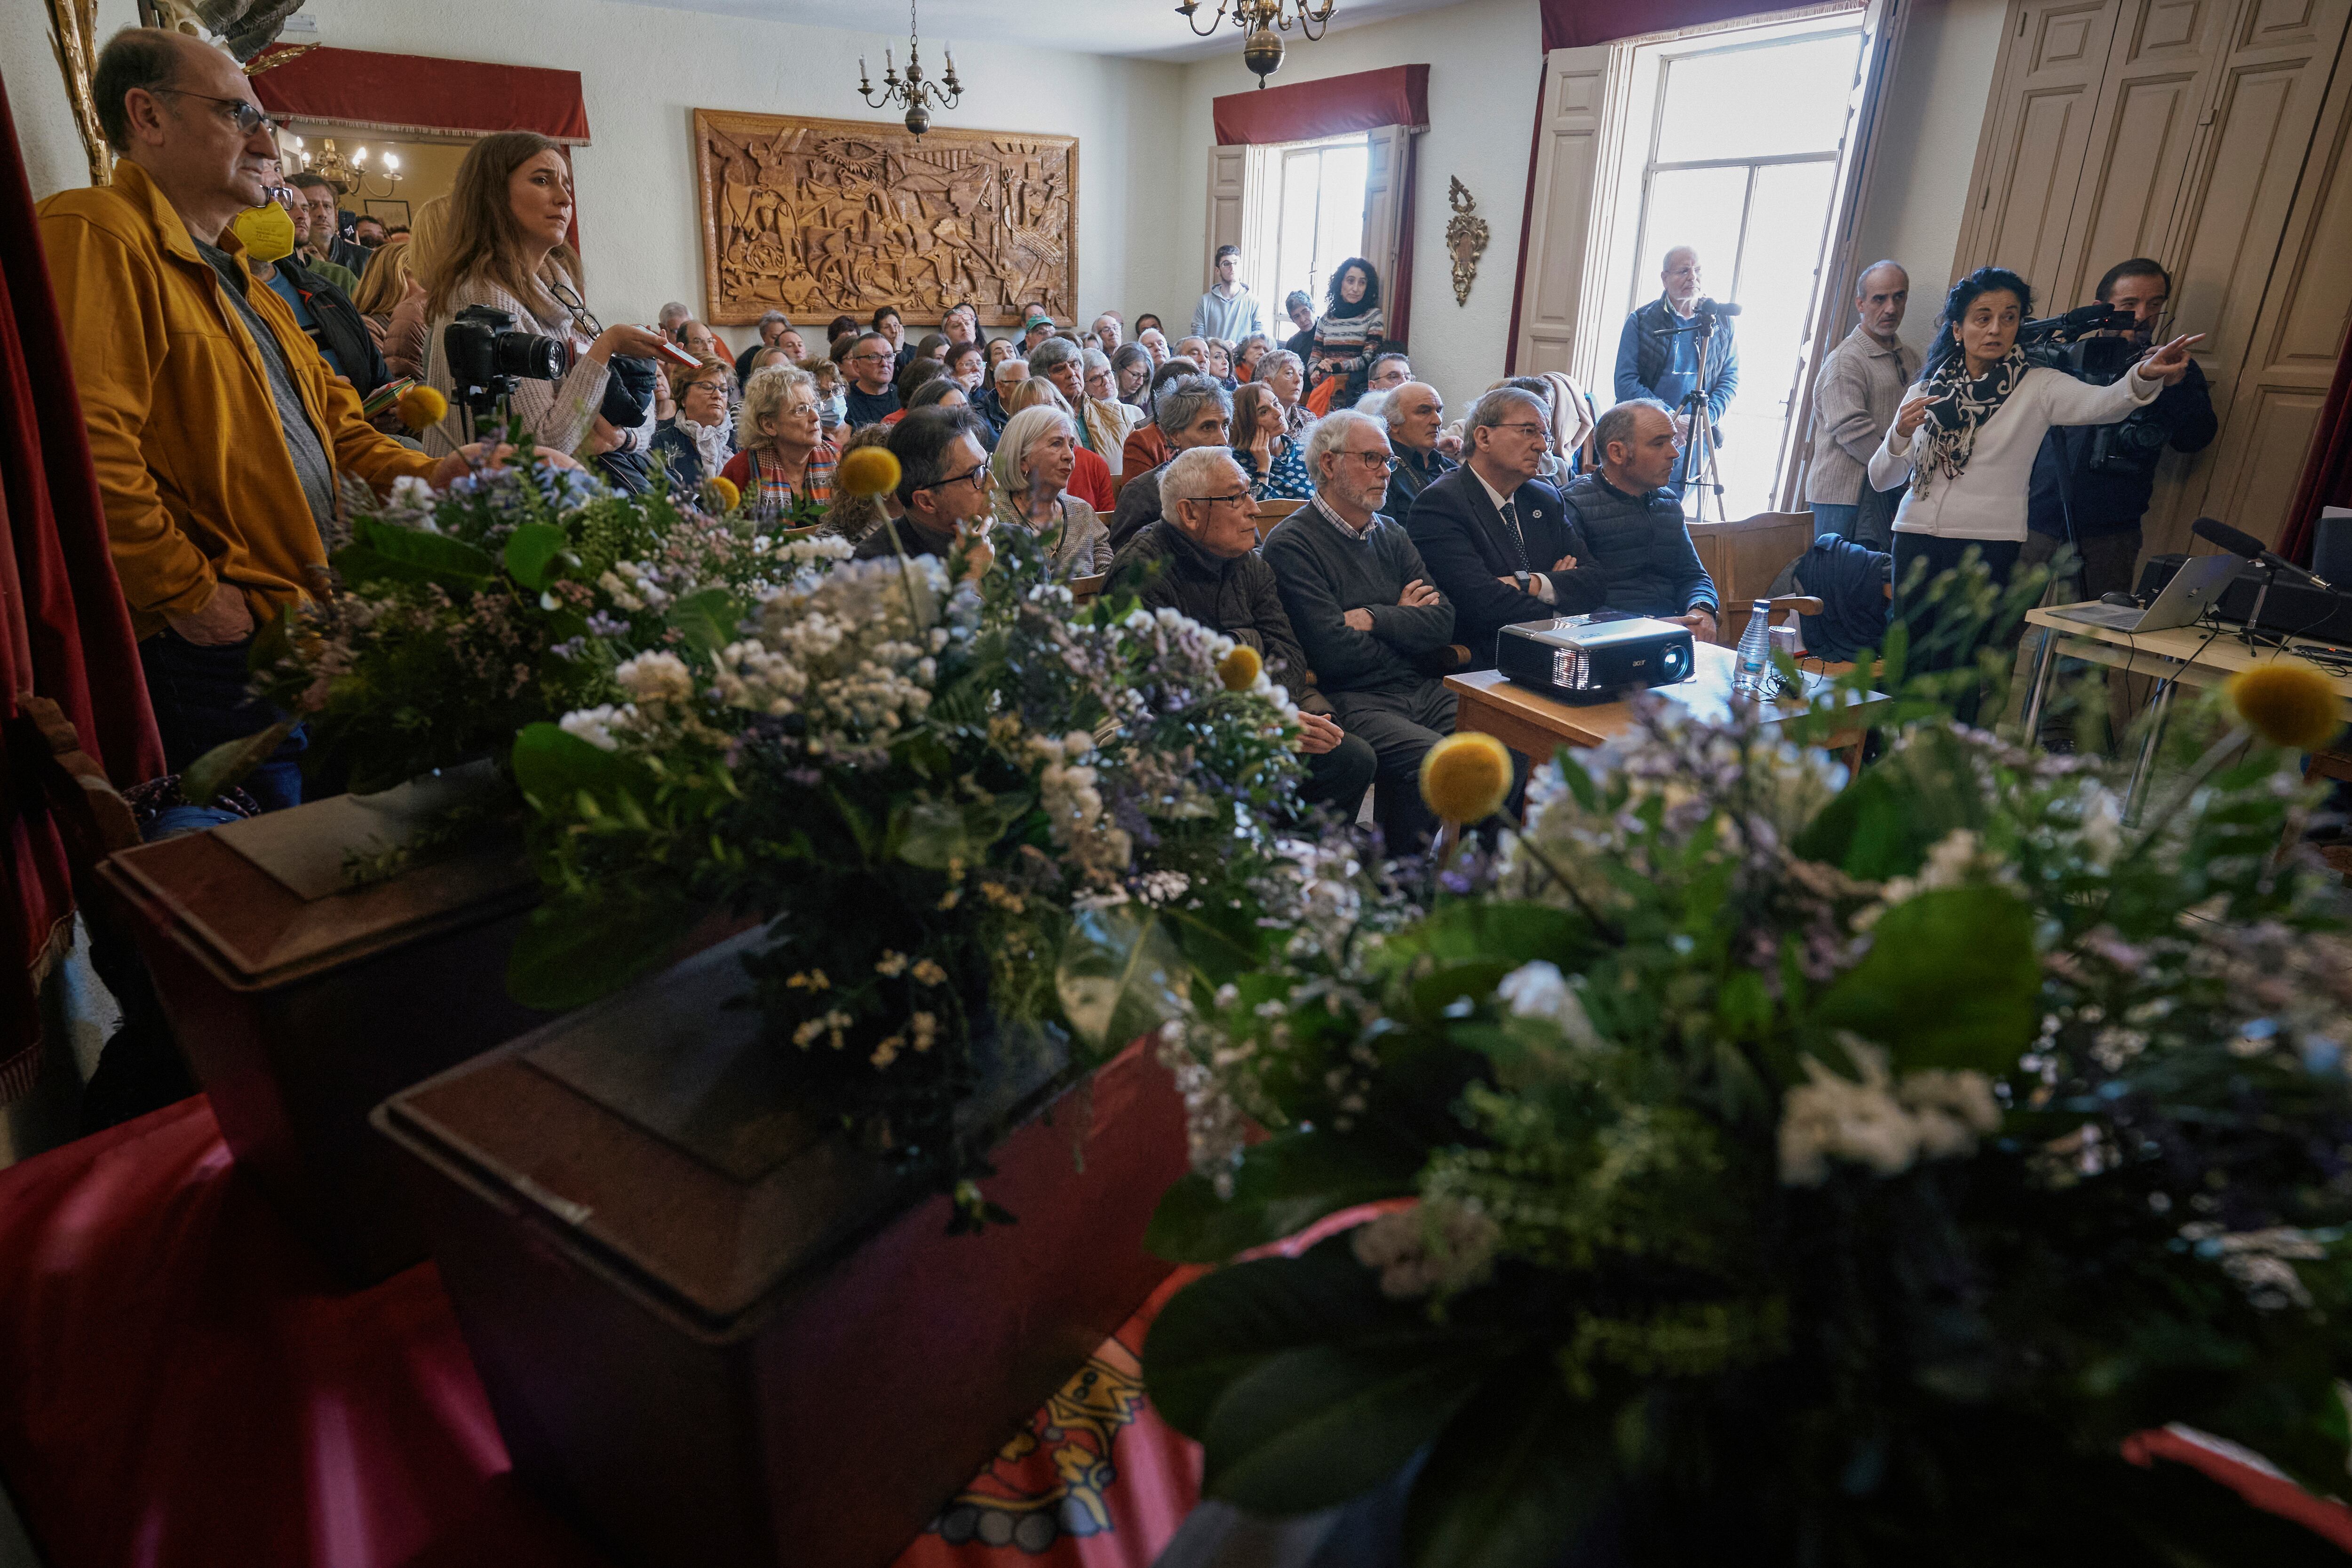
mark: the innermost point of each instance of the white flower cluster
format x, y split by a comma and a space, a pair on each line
854, 649
1073, 807
634, 587
1956, 860
1889, 1127
656, 677
1444, 1245
815, 549
596, 725
1538, 990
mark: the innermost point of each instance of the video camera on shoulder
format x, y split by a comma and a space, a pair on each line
2066, 344
486, 356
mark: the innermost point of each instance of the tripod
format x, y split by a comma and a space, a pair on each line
1700, 473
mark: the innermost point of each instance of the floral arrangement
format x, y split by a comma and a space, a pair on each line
976, 817
461, 617
1767, 1168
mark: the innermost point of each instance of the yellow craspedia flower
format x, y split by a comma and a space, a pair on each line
867, 472
2287, 704
720, 492
420, 407
1464, 777
1240, 668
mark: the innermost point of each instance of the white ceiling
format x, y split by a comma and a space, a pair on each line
1145, 29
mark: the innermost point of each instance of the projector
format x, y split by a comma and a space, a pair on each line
1581, 658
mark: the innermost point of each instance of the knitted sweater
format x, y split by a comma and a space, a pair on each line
557, 414
1323, 570
1353, 339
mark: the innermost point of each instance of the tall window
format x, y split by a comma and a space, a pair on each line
1318, 217
1741, 163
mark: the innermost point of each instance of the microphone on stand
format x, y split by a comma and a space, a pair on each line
1711, 308
2215, 531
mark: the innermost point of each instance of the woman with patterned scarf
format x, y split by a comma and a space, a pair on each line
782, 457
1966, 436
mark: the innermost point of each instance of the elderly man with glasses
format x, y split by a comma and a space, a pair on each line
869, 365
944, 488
1200, 558
1188, 411
1496, 538
1368, 616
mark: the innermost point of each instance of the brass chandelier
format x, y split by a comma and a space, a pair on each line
917, 91
1258, 20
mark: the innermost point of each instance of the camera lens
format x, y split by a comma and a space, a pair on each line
528, 356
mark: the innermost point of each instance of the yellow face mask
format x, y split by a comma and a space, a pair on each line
266, 232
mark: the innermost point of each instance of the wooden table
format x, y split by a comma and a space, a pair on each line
1528, 721
2198, 656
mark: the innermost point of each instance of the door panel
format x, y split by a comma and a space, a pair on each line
2039, 129
1567, 163
1228, 170
1384, 179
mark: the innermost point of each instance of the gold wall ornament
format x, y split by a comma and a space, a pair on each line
73, 34
819, 217
1466, 238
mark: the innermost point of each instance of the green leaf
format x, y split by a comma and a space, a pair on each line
1883, 824
382, 552
573, 951
531, 550
225, 765
1515, 1479
933, 834
1313, 1426
1282, 1186
1122, 974
1494, 931
553, 766
1221, 945
708, 619
1952, 981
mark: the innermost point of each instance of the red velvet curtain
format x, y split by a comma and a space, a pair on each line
418, 92
1333, 106
1572, 23
2327, 476
65, 633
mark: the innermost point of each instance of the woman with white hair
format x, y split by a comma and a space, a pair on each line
782, 460
1102, 387
1032, 468
1286, 374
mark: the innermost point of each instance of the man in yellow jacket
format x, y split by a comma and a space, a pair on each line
220, 437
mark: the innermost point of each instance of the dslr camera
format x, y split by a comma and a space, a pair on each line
2066, 344
488, 356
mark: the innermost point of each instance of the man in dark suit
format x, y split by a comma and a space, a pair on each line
1495, 539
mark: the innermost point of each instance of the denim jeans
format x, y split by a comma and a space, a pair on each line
1830, 517
200, 701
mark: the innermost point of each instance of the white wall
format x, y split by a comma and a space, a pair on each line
1919, 191
644, 70
1485, 64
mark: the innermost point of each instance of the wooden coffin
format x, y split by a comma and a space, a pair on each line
302, 1001
714, 1330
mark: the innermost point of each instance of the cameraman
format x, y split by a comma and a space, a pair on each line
503, 246
2107, 473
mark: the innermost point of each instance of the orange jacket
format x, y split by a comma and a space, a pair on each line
183, 429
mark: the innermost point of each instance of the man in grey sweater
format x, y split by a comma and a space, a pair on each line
1361, 601
1855, 397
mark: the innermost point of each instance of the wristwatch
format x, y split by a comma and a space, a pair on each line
1527, 582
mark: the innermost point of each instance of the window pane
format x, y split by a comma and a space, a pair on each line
1340, 226
1759, 102
1697, 207
1776, 284
1296, 246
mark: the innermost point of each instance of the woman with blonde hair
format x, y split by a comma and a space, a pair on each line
1034, 456
698, 444
782, 457
403, 333
1090, 480
383, 285
505, 246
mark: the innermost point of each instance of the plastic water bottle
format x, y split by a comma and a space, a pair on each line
1753, 671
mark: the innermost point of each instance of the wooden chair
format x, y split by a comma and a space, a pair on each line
1744, 556
1086, 590
1270, 512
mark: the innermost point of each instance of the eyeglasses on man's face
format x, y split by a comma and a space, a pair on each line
248, 116
978, 479
868, 358
1533, 432
1385, 462
1237, 497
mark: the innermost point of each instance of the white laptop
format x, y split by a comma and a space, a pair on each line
2194, 589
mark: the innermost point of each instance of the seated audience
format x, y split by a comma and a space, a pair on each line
368, 233
855, 516
871, 364
220, 473
1007, 374
1131, 366
1146, 323
762, 357
1367, 616
325, 251
1286, 374
1570, 412
382, 286
1347, 333
1090, 478
1034, 456
1035, 331
1495, 539
781, 458
1220, 365
1413, 413
1189, 410
776, 331
967, 364
1247, 352
1201, 560
1630, 525
943, 486
1109, 333
1268, 454
885, 321
832, 394
1155, 341
1387, 372
1146, 446
503, 245
1102, 385
918, 371
996, 350
962, 323
672, 315
1196, 348
842, 327
1102, 428
697, 444
698, 339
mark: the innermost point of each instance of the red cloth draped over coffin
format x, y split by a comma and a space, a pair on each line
419, 93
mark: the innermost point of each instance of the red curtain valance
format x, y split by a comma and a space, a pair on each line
1572, 23
421, 94
1362, 101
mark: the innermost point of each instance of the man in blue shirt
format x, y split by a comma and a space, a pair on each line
1653, 361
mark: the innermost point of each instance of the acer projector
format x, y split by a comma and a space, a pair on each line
1580, 660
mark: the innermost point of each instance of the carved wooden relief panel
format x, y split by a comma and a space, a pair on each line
820, 218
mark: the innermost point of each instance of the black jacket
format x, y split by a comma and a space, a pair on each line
1640, 546
1466, 546
1139, 505
2113, 497
1415, 472
342, 330
1162, 567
